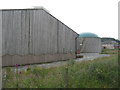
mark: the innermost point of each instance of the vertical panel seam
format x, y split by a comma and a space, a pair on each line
57, 36
29, 35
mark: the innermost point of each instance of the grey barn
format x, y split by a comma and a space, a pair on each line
31, 36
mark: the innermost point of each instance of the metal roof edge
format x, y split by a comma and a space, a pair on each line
43, 10
60, 21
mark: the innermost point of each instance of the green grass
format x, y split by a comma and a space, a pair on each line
110, 51
99, 73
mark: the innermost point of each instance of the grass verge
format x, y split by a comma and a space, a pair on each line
98, 73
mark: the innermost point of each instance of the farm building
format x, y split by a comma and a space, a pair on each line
88, 43
110, 44
31, 36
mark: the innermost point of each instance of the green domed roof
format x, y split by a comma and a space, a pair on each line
88, 35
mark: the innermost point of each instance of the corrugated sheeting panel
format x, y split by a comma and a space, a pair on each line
36, 34
43, 30
1, 50
0, 35
15, 32
66, 39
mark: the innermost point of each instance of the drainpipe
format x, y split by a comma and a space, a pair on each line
76, 45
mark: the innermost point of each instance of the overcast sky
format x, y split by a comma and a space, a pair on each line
96, 16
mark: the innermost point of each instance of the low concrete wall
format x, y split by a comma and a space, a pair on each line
11, 60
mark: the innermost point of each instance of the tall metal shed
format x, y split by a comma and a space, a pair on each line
88, 43
35, 36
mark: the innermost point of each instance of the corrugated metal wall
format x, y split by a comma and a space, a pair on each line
0, 50
35, 36
89, 45
0, 34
